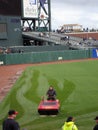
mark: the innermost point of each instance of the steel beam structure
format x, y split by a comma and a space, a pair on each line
43, 21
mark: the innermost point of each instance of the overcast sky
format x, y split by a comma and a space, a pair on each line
83, 12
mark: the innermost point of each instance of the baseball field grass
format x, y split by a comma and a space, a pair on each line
76, 84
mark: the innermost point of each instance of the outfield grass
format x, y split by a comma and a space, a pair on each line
76, 85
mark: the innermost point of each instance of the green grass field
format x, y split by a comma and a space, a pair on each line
76, 84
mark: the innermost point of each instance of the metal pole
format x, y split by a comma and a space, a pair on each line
49, 13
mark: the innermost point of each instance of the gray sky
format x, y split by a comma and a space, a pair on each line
83, 12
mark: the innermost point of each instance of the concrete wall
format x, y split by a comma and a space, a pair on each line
11, 34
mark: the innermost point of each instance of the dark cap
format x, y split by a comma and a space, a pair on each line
96, 118
70, 118
11, 112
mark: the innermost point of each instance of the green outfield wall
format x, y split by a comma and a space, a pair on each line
37, 57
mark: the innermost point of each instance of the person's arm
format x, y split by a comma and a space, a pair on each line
47, 93
74, 127
3, 128
54, 93
95, 127
16, 126
63, 127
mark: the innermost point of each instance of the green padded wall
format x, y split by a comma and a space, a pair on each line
36, 57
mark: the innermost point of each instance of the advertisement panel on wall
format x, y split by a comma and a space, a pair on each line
30, 8
95, 53
3, 31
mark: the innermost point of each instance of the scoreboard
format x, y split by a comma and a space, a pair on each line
10, 7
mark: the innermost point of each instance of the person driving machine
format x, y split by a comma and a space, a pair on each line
51, 93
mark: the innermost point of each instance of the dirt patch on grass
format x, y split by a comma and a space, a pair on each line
8, 76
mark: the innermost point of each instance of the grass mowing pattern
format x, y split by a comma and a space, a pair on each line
32, 92
76, 86
65, 91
